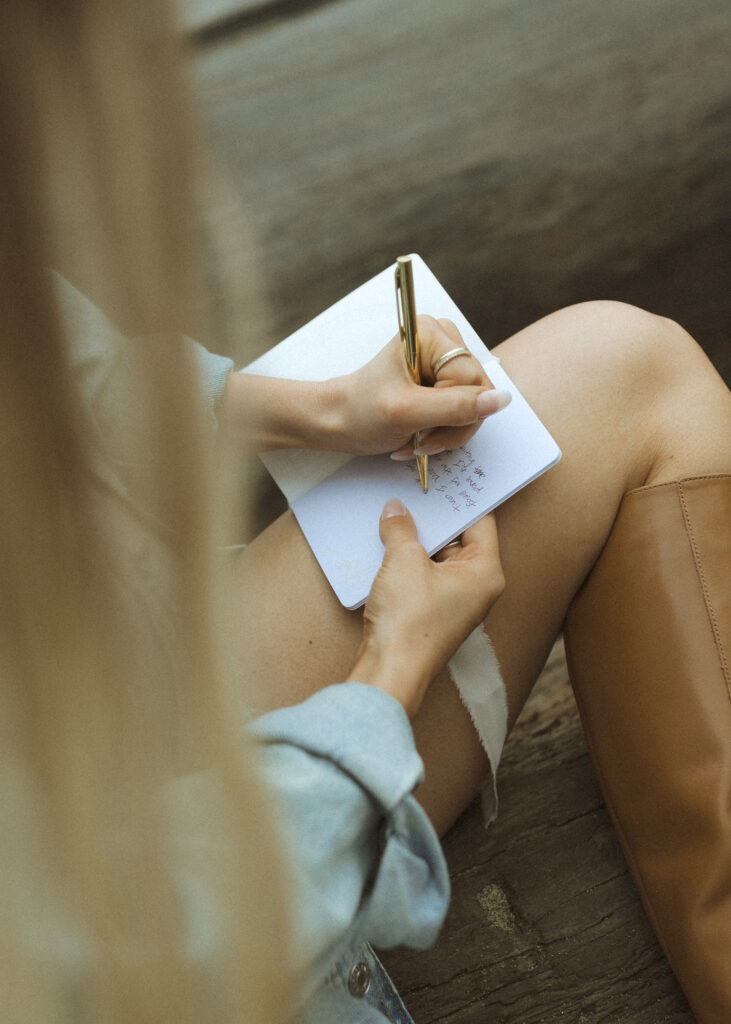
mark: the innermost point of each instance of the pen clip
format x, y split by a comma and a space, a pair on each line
400, 311
406, 315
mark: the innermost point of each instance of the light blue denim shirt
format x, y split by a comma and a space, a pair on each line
341, 767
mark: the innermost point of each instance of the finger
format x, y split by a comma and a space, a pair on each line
464, 369
482, 538
481, 548
456, 406
430, 409
436, 441
451, 330
479, 539
396, 525
446, 439
448, 552
436, 339
478, 561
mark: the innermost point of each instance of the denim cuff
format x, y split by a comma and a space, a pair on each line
363, 730
213, 370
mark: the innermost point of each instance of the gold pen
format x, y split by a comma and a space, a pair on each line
406, 312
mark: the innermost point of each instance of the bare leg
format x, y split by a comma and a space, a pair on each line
630, 399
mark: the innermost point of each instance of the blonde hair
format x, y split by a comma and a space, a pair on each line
102, 715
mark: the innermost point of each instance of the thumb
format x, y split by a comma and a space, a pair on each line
396, 524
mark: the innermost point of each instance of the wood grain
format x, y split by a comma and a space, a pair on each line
536, 154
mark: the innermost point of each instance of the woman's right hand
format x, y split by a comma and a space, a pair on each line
420, 610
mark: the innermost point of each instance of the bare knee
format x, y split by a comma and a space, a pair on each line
631, 346
683, 404
606, 347
634, 385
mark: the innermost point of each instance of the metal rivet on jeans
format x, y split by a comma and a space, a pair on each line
360, 980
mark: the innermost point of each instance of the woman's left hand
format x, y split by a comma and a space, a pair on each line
380, 407
447, 597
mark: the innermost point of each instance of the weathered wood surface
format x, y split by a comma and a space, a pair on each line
536, 154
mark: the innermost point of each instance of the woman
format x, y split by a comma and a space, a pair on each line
115, 710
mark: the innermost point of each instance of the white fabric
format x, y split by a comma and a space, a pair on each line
476, 673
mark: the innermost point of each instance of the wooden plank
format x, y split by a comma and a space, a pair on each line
197, 15
209, 21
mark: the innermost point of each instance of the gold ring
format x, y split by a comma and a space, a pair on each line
452, 354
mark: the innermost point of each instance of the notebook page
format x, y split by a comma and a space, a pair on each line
340, 516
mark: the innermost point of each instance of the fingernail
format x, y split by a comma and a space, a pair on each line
401, 456
393, 507
489, 402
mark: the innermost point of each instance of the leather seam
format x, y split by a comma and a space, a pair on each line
676, 483
704, 587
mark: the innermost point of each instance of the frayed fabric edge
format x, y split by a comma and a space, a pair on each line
476, 673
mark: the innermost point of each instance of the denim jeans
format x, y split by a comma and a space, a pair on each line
381, 993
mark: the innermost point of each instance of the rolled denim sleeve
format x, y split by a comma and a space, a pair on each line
213, 370
342, 768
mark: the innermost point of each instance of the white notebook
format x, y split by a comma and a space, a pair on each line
337, 499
